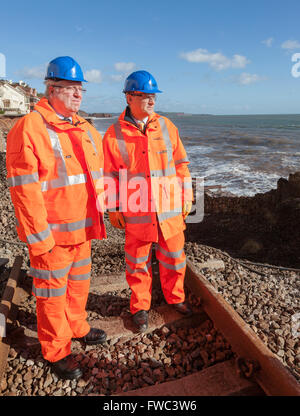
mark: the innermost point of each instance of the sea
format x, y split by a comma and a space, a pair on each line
245, 154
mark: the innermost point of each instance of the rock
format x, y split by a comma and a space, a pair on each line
18, 379
28, 376
212, 264
58, 392
204, 356
236, 291
3, 385
48, 380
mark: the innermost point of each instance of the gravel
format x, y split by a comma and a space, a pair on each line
266, 298
119, 365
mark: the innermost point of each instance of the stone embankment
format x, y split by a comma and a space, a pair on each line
6, 123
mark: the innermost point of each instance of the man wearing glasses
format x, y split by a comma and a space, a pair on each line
149, 194
55, 173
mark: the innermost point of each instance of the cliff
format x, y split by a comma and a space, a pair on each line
97, 115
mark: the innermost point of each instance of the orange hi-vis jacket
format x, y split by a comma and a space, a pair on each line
55, 172
150, 173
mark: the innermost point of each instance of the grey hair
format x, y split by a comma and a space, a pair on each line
49, 83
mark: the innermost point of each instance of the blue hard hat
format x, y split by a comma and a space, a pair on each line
64, 67
141, 81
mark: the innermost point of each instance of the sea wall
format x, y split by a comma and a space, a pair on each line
264, 228
265, 204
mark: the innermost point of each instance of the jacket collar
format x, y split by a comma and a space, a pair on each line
49, 114
127, 116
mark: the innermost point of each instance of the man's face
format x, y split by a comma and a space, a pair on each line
141, 104
65, 97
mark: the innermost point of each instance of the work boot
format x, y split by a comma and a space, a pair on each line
67, 368
93, 337
183, 308
140, 319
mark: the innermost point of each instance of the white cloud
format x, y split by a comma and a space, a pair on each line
118, 77
217, 60
124, 66
37, 72
246, 78
268, 42
93, 75
290, 44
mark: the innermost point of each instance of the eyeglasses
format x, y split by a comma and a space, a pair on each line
144, 96
71, 90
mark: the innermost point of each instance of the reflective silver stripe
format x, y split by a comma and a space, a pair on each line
163, 172
37, 237
60, 182
139, 269
136, 260
47, 274
170, 254
97, 174
39, 274
184, 160
166, 215
83, 262
49, 292
121, 144
187, 185
173, 266
59, 156
23, 179
135, 176
167, 139
72, 226
57, 274
143, 219
84, 276
92, 140
63, 178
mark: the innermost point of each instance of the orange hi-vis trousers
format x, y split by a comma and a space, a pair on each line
172, 264
61, 280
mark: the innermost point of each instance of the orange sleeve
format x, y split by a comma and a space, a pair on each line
25, 189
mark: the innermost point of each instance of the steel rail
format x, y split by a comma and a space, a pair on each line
8, 309
258, 361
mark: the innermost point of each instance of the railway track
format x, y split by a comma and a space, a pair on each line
212, 353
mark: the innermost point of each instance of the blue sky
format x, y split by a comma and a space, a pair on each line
216, 57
